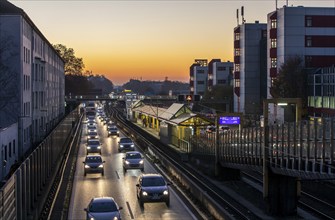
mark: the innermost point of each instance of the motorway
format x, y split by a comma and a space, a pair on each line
119, 185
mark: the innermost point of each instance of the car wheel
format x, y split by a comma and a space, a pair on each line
141, 203
142, 170
84, 173
102, 173
124, 170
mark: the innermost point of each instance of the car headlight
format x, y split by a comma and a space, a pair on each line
101, 166
144, 193
132, 145
165, 192
87, 166
127, 162
117, 132
141, 162
88, 148
109, 132
99, 147
121, 145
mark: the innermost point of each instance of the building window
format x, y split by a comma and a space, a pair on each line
308, 41
221, 68
237, 82
273, 43
10, 149
200, 71
221, 81
237, 67
237, 36
13, 146
308, 21
237, 51
201, 82
273, 62
274, 23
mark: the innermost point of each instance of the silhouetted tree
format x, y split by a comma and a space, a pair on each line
73, 64
291, 81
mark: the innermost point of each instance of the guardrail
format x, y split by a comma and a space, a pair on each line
24, 193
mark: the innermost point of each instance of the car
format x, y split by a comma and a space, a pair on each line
101, 208
133, 160
91, 128
152, 188
93, 146
113, 131
93, 164
126, 143
92, 135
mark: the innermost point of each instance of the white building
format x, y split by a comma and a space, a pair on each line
36, 83
250, 67
198, 77
9, 148
307, 32
219, 73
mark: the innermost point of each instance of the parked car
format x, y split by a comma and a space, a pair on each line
101, 208
92, 135
126, 144
133, 160
93, 146
93, 164
152, 188
113, 131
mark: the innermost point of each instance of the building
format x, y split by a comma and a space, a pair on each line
308, 32
219, 73
198, 77
321, 92
249, 67
9, 148
34, 72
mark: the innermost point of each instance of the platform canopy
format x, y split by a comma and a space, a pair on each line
176, 114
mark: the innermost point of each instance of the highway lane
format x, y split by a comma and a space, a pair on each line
119, 185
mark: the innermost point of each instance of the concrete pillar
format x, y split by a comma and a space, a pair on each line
282, 196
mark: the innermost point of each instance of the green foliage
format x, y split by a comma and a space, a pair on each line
73, 64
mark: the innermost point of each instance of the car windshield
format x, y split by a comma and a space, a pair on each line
133, 156
125, 140
103, 207
153, 181
93, 159
94, 143
92, 133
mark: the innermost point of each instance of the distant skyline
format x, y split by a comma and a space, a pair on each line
148, 40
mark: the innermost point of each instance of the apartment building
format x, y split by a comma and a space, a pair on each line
35, 74
198, 77
219, 73
249, 67
307, 32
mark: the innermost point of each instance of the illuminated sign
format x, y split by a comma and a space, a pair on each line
229, 120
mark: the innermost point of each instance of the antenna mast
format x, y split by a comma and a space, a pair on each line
237, 17
242, 14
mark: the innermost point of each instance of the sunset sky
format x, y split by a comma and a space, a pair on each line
147, 40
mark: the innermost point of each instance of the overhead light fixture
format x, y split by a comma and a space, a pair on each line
282, 104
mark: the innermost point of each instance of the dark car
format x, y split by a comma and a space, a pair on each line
133, 160
92, 135
93, 146
126, 144
152, 188
101, 208
93, 164
113, 131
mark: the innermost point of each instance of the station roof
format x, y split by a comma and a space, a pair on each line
176, 114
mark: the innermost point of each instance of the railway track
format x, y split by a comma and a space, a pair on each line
231, 209
308, 202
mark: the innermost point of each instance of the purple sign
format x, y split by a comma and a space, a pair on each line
229, 120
